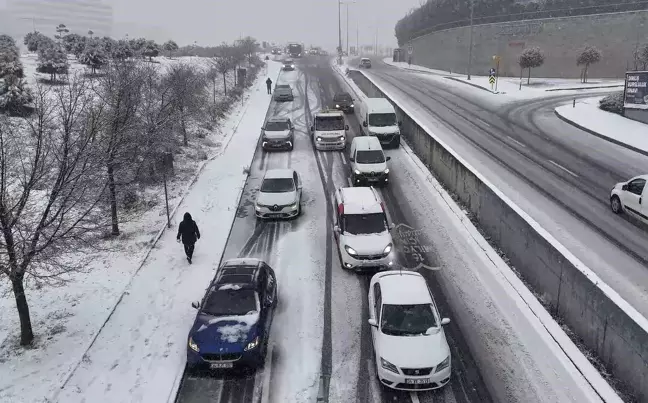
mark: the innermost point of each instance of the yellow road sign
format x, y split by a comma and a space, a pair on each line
491, 80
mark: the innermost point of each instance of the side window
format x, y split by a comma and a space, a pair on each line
296, 179
637, 186
377, 300
271, 283
262, 282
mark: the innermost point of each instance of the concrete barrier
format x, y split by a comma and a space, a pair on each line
604, 322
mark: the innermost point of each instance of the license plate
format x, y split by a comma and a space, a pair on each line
221, 365
274, 215
373, 179
418, 381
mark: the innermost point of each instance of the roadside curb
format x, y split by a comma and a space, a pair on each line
599, 135
471, 84
143, 261
584, 88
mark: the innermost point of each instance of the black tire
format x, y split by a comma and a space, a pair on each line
615, 205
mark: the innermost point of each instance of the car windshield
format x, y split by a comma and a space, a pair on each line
407, 320
283, 87
370, 157
277, 126
359, 224
382, 119
329, 123
231, 302
277, 185
342, 98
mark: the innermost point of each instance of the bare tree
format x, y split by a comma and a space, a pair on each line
588, 55
530, 58
641, 56
119, 91
50, 188
187, 86
223, 65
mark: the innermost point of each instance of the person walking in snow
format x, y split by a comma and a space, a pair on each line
269, 85
188, 231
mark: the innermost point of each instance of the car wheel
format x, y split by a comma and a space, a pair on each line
615, 204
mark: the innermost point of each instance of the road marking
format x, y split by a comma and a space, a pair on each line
564, 169
516, 142
374, 383
414, 397
267, 372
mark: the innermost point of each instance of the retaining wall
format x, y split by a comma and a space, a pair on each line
604, 322
617, 35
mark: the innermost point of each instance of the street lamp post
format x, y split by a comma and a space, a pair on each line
339, 32
470, 49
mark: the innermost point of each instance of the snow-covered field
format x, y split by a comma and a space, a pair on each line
608, 125
67, 319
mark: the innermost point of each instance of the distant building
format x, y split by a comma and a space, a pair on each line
79, 16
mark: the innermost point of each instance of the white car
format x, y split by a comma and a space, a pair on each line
631, 197
279, 195
409, 342
361, 230
368, 162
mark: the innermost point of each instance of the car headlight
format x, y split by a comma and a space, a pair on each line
352, 105
356, 172
387, 170
350, 250
341, 138
294, 206
387, 249
193, 345
253, 344
319, 139
337, 106
444, 364
388, 365
292, 66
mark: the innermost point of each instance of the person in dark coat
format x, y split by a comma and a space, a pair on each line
269, 85
188, 231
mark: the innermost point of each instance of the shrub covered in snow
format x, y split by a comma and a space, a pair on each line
612, 103
94, 55
9, 58
52, 60
14, 95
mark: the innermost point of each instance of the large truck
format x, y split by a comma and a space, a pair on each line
295, 50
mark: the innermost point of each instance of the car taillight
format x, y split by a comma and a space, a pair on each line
340, 209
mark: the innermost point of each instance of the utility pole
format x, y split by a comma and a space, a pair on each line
357, 38
347, 27
470, 49
339, 32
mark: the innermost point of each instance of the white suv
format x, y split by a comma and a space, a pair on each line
279, 195
361, 230
410, 346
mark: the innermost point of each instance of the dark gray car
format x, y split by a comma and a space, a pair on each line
278, 134
283, 93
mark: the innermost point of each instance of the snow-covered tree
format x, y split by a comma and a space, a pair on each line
137, 45
108, 45
33, 40
170, 47
150, 49
588, 55
94, 55
122, 50
641, 57
10, 63
531, 58
52, 60
74, 44
14, 94
61, 32
187, 87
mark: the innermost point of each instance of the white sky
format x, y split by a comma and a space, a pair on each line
213, 21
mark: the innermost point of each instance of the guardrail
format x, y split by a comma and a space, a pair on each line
605, 322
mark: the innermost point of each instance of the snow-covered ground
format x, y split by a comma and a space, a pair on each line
495, 310
67, 319
610, 126
510, 86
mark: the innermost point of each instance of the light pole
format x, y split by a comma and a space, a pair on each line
339, 32
472, 9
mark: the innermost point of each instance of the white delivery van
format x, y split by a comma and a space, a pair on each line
329, 130
379, 119
631, 197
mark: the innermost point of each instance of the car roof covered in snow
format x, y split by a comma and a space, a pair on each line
379, 105
360, 200
365, 59
278, 173
282, 86
329, 113
403, 288
364, 143
279, 119
243, 272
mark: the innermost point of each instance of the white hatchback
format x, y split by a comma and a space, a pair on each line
410, 346
279, 195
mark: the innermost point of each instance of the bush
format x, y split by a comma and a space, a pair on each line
612, 103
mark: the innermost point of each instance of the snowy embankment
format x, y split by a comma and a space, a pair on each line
67, 318
587, 115
510, 86
523, 354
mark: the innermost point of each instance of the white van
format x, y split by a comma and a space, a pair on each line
368, 162
329, 130
379, 119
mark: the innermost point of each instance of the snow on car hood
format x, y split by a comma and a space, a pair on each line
368, 244
224, 331
280, 199
278, 134
366, 168
413, 351
384, 130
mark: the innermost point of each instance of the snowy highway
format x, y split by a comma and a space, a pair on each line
320, 342
557, 173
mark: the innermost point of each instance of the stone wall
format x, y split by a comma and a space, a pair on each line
616, 35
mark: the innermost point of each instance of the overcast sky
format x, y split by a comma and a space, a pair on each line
213, 21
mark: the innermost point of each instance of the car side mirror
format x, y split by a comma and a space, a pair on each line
351, 159
312, 128
392, 226
624, 187
336, 229
373, 322
445, 321
364, 124
268, 302
388, 158
346, 127
400, 123
195, 305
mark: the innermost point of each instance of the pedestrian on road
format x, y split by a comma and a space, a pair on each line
189, 232
269, 85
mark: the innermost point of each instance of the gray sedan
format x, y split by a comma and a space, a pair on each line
283, 93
